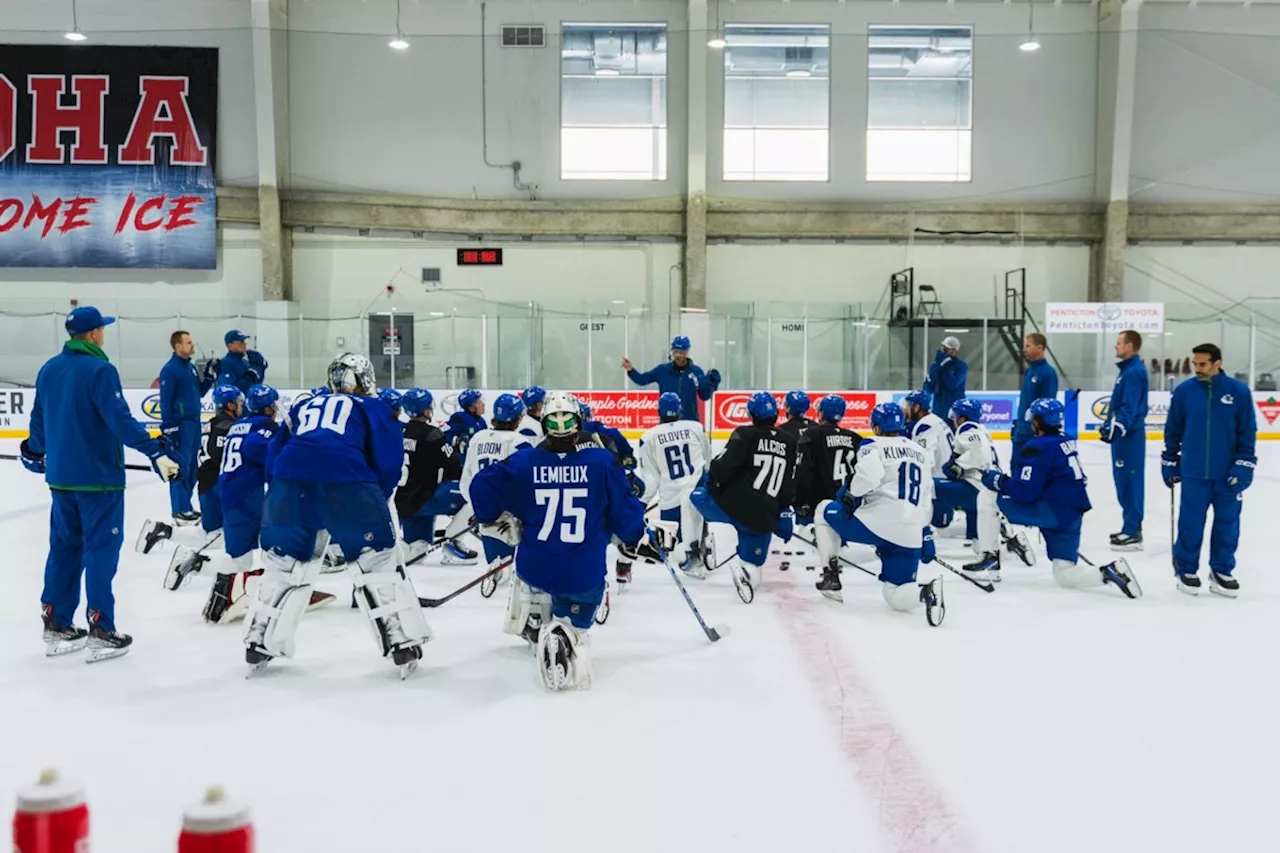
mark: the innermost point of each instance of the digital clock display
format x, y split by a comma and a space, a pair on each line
479, 257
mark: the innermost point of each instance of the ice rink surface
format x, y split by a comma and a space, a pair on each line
1034, 719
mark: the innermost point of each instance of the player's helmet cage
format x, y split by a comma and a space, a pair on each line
832, 408
509, 408
352, 373
967, 408
416, 402
260, 397
762, 406
1048, 411
561, 415
225, 395
669, 405
888, 417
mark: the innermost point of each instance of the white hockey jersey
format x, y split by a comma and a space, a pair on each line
892, 478
935, 436
975, 452
486, 447
530, 427
673, 456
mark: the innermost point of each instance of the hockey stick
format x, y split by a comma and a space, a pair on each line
713, 634
982, 585
439, 543
128, 466
436, 602
845, 560
184, 557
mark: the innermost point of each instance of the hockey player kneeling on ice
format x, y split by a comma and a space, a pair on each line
938, 440
962, 488
503, 438
673, 457
429, 485
749, 485
561, 503
886, 504
828, 453
796, 406
334, 470
1047, 490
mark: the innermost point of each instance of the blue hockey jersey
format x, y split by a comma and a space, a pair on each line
626, 455
570, 506
1049, 470
461, 426
244, 460
340, 438
1211, 424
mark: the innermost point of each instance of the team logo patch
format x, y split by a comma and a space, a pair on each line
1270, 409
1119, 463
1227, 400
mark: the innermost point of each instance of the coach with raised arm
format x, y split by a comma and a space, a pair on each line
679, 376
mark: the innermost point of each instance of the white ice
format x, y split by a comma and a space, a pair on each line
1035, 719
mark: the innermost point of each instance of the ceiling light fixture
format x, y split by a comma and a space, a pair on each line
1030, 45
607, 72
799, 72
399, 42
75, 34
717, 42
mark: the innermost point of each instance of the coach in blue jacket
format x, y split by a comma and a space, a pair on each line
946, 377
1125, 429
1209, 441
241, 366
1038, 382
79, 423
679, 376
181, 388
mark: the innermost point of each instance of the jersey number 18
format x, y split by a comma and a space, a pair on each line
909, 479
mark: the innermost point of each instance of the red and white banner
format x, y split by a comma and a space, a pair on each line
624, 410
730, 409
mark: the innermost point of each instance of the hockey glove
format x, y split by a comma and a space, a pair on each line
1240, 477
505, 529
1169, 465
928, 551
254, 374
33, 462
170, 434
713, 376
650, 547
952, 471
786, 525
1108, 432
637, 485
848, 501
211, 368
993, 479
804, 515
165, 467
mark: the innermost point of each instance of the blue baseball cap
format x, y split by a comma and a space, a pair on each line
86, 318
233, 336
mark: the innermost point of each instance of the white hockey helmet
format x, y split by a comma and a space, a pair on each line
352, 373
561, 414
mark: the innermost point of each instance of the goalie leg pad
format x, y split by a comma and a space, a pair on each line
525, 605
232, 588
389, 601
283, 593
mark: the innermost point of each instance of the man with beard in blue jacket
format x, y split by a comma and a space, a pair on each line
1209, 447
679, 376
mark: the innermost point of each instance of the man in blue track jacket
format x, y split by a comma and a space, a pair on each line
1209, 447
679, 376
1039, 382
241, 366
946, 377
181, 388
79, 424
1125, 429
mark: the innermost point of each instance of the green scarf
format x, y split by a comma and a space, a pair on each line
87, 348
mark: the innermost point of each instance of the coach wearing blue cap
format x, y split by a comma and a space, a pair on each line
241, 367
79, 423
679, 376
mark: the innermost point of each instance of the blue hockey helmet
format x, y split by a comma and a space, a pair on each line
967, 408
762, 406
888, 418
469, 398
225, 395
669, 406
260, 397
1048, 411
416, 402
509, 408
796, 403
533, 395
585, 411
832, 408
680, 342
923, 399
391, 397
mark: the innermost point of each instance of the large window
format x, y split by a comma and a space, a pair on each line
776, 102
920, 104
613, 102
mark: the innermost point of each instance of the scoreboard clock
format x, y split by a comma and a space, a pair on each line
479, 257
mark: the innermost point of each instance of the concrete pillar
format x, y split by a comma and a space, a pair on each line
1117, 63
695, 214
271, 105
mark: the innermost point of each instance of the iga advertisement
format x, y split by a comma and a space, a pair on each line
729, 408
107, 156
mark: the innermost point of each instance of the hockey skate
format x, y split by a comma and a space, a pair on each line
151, 535
601, 615
186, 519
1018, 544
184, 564
1223, 585
985, 569
1123, 577
694, 564
229, 597
563, 657
935, 606
104, 644
1125, 542
61, 640
333, 561
406, 660
456, 555
1189, 583
830, 585
623, 572
742, 581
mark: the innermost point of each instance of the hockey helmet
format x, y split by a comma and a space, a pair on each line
1048, 411
888, 418
391, 397
967, 408
533, 395
669, 406
509, 408
225, 395
796, 403
352, 373
762, 406
832, 408
417, 402
680, 342
923, 399
260, 397
561, 414
469, 398
585, 410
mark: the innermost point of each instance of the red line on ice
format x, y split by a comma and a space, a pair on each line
912, 811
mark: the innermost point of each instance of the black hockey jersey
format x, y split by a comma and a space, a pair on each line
210, 457
827, 456
796, 426
754, 479
430, 460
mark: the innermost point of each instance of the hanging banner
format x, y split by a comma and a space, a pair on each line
1103, 317
107, 156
